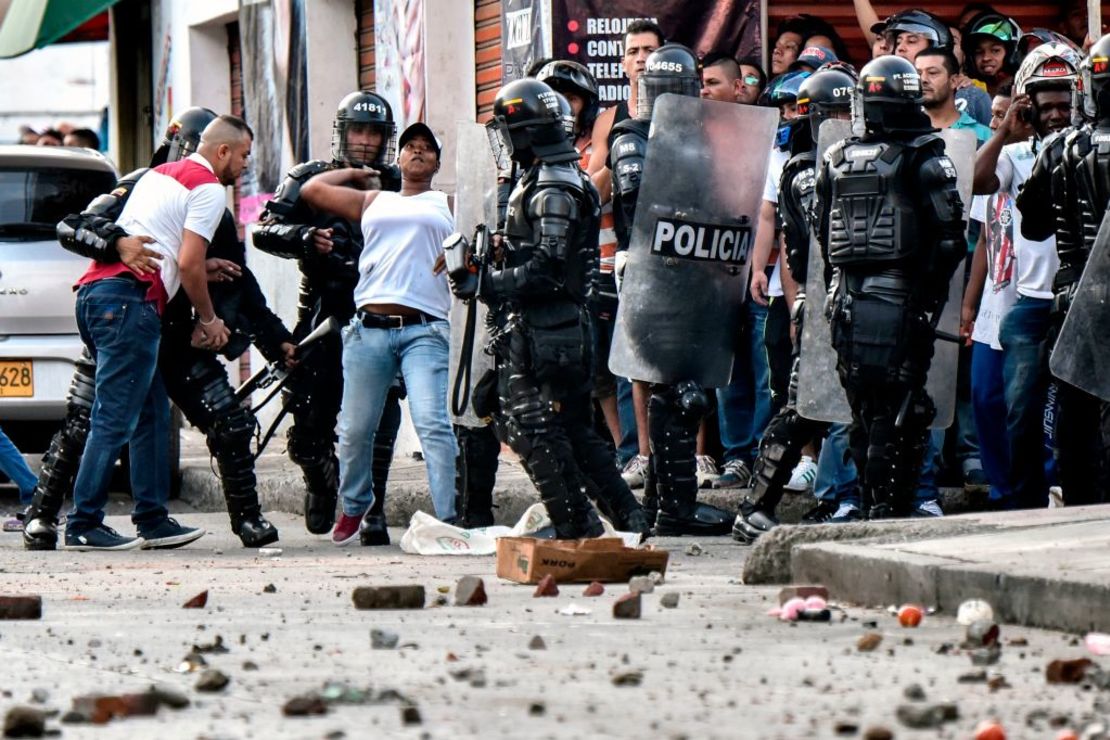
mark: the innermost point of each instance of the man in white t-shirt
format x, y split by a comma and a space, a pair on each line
1002, 167
174, 210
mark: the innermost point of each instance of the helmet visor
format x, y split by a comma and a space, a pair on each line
652, 86
500, 143
181, 147
1001, 29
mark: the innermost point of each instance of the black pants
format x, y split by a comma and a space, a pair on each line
776, 337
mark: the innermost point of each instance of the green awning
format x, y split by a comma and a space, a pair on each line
33, 24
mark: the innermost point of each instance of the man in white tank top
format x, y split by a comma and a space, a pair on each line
401, 323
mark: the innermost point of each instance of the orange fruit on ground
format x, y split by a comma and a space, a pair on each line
910, 615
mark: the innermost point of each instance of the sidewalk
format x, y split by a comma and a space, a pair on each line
1046, 568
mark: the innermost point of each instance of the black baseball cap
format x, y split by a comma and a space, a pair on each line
420, 129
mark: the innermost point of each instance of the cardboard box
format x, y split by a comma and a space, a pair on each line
606, 559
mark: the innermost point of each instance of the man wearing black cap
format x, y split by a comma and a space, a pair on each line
326, 250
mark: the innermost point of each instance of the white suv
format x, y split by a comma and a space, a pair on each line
38, 330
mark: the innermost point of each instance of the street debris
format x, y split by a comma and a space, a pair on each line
627, 606
217, 646
605, 559
573, 610
470, 591
926, 716
981, 633
388, 597
212, 680
1098, 643
787, 593
974, 610
910, 615
641, 584
24, 722
989, 729
914, 692
197, 602
269, 588
594, 589
878, 732
383, 639
1067, 671
669, 600
305, 705
537, 643
21, 607
694, 549
868, 642
546, 587
628, 678
192, 662
269, 552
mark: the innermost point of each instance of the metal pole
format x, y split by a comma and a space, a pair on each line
1094, 20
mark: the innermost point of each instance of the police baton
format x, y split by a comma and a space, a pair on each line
277, 372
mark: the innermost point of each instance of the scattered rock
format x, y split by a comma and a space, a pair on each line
868, 642
914, 692
191, 663
656, 577
40, 696
410, 715
269, 588
997, 682
25, 721
305, 705
388, 597
21, 607
197, 602
537, 643
628, 678
1067, 671
846, 727
877, 732
815, 615
102, 708
212, 680
595, 589
250, 665
926, 716
383, 639
537, 709
216, 646
986, 655
627, 606
546, 587
694, 549
470, 591
269, 552
641, 585
169, 696
669, 600
1017, 642
802, 592
974, 610
981, 633
973, 677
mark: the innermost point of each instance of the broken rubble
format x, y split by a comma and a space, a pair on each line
383, 639
641, 584
868, 642
669, 600
926, 716
24, 722
537, 643
628, 606
594, 589
388, 597
21, 607
305, 705
1067, 671
470, 591
546, 587
628, 678
197, 602
212, 680
981, 633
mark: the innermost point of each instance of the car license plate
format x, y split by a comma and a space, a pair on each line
17, 379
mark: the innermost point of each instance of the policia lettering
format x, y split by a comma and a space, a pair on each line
688, 240
195, 379
290, 229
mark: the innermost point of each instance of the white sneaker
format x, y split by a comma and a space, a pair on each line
927, 509
706, 471
805, 473
633, 472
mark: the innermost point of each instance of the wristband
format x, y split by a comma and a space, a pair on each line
208, 323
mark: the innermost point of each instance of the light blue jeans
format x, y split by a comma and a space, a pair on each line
15, 467
371, 360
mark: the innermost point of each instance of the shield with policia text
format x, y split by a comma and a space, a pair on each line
687, 273
1081, 356
820, 394
475, 203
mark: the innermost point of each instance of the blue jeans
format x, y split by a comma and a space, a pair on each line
626, 413
744, 405
1023, 336
837, 479
15, 467
988, 399
122, 330
372, 358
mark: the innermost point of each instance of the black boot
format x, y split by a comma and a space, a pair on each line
751, 522
475, 475
253, 530
319, 503
650, 502
372, 530
40, 531
690, 517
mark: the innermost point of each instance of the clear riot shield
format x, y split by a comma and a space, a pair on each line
475, 203
820, 395
687, 273
1081, 356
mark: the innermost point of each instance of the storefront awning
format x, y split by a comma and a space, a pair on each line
26, 25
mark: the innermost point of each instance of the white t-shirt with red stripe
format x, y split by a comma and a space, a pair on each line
167, 201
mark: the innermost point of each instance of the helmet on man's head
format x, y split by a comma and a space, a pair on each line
566, 76
1033, 38
1048, 66
183, 134
826, 92
357, 110
672, 68
888, 97
996, 27
918, 21
530, 120
1094, 74
784, 88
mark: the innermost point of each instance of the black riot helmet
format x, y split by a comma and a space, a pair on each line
363, 110
530, 120
888, 98
918, 21
182, 135
826, 92
1096, 79
672, 68
565, 76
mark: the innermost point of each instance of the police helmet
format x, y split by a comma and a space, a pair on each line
565, 76
183, 134
888, 97
672, 68
530, 120
363, 109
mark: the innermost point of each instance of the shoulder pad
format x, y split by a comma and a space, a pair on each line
558, 175
800, 162
631, 127
305, 170
938, 169
835, 153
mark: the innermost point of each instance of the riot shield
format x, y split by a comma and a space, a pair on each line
475, 203
820, 395
687, 272
1080, 356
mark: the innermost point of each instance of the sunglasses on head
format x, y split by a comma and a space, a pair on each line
751, 80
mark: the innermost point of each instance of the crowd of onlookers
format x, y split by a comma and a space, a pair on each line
64, 134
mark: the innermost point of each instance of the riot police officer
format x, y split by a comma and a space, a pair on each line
541, 330
890, 225
673, 411
824, 95
327, 249
195, 379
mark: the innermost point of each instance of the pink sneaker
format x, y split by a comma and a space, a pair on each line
345, 530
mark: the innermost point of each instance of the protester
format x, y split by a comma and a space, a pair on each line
82, 137
401, 322
177, 208
327, 252
15, 467
50, 137
753, 80
990, 49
